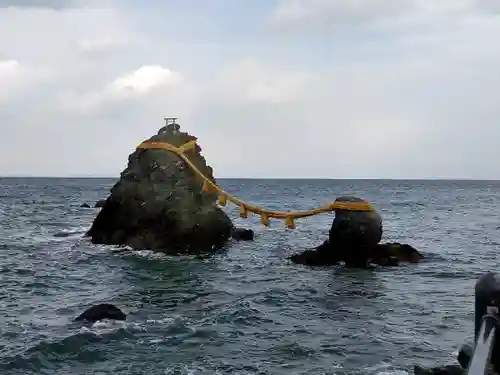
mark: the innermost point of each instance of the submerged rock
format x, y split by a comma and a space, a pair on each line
464, 357
442, 370
242, 234
354, 239
402, 253
100, 312
159, 204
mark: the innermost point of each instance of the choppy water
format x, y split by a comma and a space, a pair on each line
248, 311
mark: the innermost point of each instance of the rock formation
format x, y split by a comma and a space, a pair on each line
101, 312
159, 204
354, 239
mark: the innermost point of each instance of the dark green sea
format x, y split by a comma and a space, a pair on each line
247, 310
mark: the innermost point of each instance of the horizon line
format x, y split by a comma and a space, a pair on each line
82, 177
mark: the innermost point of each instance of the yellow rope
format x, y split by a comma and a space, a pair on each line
245, 207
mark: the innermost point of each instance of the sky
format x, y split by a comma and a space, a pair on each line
271, 88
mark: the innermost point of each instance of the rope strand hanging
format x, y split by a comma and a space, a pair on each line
245, 208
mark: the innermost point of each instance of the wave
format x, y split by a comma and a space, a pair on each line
79, 345
71, 232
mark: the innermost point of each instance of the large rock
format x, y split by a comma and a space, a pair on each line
100, 203
159, 204
354, 239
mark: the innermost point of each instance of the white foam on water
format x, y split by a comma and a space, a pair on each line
385, 369
393, 372
195, 370
162, 321
76, 229
156, 255
109, 326
104, 327
150, 254
69, 233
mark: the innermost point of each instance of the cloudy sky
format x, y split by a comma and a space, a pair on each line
272, 88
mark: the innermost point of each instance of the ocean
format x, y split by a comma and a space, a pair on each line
247, 310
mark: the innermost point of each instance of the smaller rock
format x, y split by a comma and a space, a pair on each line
465, 355
85, 205
388, 254
100, 203
442, 370
352, 229
100, 312
242, 234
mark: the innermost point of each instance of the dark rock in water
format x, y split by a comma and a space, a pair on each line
465, 355
443, 370
100, 312
399, 253
389, 254
321, 256
354, 239
85, 205
242, 234
355, 229
100, 203
159, 204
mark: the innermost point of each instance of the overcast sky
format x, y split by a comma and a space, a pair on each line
292, 88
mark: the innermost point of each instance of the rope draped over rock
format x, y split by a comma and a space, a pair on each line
245, 208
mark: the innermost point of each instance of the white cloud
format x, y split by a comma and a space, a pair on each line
53, 4
8, 68
249, 80
102, 44
10, 74
143, 80
402, 105
135, 85
301, 13
329, 15
17, 79
404, 89
348, 118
